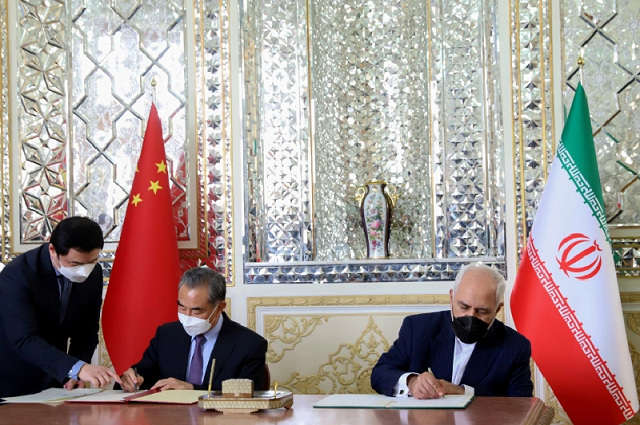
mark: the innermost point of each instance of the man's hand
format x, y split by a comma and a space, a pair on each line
424, 386
172, 384
72, 383
450, 388
130, 379
99, 376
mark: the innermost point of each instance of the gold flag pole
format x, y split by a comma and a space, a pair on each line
580, 63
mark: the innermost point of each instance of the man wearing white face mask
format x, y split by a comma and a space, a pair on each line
50, 300
180, 354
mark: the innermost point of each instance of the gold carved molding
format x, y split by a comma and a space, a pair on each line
289, 332
630, 297
346, 300
348, 369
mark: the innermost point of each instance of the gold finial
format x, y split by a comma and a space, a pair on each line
580, 61
275, 390
153, 89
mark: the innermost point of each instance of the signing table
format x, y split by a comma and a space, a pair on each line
482, 410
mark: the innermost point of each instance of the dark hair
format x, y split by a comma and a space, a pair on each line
79, 233
200, 277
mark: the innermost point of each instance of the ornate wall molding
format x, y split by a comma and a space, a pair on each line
341, 300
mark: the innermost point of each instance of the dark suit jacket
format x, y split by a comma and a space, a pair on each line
499, 364
33, 345
239, 353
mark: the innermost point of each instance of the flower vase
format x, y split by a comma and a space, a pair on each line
375, 210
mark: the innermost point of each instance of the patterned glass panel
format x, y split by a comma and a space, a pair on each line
409, 97
43, 127
371, 96
533, 133
97, 105
279, 145
118, 50
606, 33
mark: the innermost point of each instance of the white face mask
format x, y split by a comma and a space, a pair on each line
76, 274
193, 325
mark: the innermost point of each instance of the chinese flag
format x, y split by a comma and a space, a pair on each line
143, 285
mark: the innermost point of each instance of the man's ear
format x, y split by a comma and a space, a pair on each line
451, 295
499, 308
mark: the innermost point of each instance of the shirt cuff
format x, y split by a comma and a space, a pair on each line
73, 373
401, 389
468, 390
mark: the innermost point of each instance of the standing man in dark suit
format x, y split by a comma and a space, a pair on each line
179, 355
50, 300
462, 351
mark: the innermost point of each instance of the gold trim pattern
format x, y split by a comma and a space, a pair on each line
254, 303
629, 297
346, 374
292, 332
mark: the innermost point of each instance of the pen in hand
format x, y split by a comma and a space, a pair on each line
135, 384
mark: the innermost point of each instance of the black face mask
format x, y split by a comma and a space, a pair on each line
469, 329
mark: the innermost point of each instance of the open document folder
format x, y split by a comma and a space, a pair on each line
150, 396
377, 401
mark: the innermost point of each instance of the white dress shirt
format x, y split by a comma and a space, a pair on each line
461, 354
211, 337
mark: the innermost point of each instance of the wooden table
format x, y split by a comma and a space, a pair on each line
482, 410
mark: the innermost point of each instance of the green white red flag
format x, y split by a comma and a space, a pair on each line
566, 298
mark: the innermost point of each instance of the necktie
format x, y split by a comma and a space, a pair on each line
65, 292
195, 370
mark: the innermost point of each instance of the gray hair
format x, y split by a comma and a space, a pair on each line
491, 273
200, 277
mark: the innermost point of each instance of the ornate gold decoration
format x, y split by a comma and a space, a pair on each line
289, 331
254, 303
630, 297
348, 368
633, 322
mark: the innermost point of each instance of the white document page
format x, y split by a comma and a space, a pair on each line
52, 395
447, 402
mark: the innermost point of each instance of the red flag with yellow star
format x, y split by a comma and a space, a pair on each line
143, 284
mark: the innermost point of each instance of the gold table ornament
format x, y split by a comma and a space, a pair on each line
260, 400
376, 200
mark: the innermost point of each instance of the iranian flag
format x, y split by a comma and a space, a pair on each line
565, 298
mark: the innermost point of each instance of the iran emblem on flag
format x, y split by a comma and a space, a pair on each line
565, 299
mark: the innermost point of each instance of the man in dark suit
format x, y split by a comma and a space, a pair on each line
50, 299
180, 354
462, 351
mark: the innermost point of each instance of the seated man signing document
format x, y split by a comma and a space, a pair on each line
462, 351
179, 355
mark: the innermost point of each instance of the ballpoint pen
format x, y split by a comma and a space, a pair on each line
135, 384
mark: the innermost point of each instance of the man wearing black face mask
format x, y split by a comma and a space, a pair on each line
465, 350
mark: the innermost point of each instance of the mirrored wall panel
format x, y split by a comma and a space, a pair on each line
78, 80
339, 94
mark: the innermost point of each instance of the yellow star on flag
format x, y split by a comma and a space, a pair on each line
155, 186
136, 199
137, 171
162, 167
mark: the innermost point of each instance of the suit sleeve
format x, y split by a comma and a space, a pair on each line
21, 327
84, 338
148, 367
520, 384
394, 363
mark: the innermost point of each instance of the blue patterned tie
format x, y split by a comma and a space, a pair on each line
65, 292
195, 370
